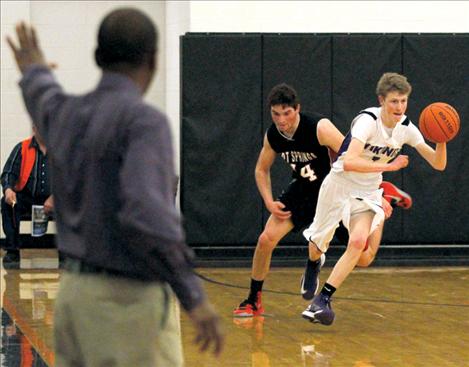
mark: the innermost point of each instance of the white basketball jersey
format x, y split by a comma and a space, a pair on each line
380, 146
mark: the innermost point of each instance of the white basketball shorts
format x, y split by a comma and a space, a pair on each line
340, 199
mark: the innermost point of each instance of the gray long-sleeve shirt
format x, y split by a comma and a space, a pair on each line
111, 162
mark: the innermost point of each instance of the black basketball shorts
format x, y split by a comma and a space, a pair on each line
300, 197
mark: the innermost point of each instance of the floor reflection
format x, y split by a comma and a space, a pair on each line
254, 327
311, 357
16, 350
27, 298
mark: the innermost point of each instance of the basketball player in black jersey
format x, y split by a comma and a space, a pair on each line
303, 140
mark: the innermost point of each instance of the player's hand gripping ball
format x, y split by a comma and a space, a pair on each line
439, 122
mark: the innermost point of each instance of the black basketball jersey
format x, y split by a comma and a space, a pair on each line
308, 159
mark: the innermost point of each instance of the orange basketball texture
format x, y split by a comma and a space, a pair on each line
439, 122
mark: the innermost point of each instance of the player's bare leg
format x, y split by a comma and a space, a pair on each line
374, 241
313, 251
275, 229
320, 308
360, 225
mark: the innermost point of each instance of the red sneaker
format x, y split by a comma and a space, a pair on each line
249, 309
395, 196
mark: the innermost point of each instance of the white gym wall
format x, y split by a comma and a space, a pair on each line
67, 31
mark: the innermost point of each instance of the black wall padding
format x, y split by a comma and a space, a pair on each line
358, 61
225, 82
438, 68
308, 70
220, 133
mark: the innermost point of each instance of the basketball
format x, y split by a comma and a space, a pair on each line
439, 122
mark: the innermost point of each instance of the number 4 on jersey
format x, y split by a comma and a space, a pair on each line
306, 172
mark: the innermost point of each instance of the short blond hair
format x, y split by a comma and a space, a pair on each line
393, 82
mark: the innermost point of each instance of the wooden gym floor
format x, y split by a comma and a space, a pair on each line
384, 317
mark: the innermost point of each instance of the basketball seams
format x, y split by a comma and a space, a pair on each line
456, 124
454, 116
422, 123
433, 130
437, 121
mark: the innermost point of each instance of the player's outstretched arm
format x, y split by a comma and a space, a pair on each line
435, 157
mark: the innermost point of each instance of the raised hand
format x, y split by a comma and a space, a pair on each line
27, 52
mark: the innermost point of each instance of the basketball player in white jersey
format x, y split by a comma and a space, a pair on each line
304, 141
351, 191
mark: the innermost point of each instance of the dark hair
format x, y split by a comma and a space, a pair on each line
283, 94
126, 36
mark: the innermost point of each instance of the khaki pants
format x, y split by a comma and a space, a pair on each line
103, 320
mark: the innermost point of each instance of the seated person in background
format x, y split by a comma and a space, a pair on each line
25, 182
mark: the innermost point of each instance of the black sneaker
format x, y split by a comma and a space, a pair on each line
310, 278
319, 310
11, 260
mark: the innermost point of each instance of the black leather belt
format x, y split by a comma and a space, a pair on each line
78, 266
